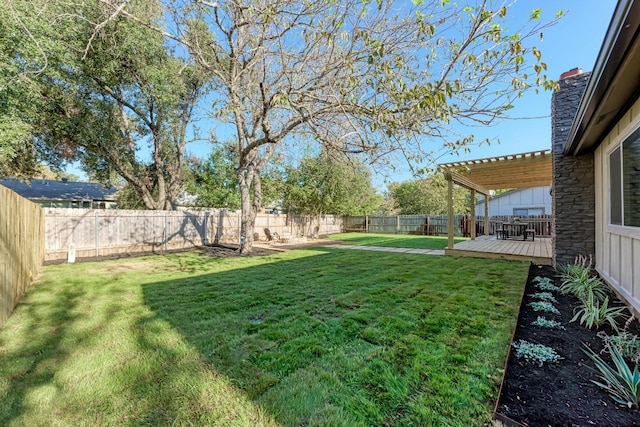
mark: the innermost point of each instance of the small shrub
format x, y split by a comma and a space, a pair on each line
544, 296
578, 268
544, 306
628, 345
535, 353
545, 284
622, 384
585, 285
543, 322
593, 313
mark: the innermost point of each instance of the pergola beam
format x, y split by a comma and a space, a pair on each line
465, 182
524, 170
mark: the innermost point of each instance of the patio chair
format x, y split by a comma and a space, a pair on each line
530, 232
270, 237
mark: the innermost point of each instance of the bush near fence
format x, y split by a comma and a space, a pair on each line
97, 233
436, 225
21, 246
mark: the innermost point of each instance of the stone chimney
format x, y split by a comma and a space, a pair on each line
571, 72
573, 191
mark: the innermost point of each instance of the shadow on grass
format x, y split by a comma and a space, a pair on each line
313, 337
348, 339
37, 354
50, 333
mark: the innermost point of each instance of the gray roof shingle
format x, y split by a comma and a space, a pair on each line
46, 189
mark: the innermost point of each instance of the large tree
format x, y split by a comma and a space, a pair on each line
124, 104
356, 76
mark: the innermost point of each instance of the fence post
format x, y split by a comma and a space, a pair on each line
97, 233
205, 228
397, 224
166, 229
366, 223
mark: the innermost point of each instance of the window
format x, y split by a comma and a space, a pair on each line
624, 178
528, 211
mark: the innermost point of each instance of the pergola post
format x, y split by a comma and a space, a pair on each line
486, 214
450, 211
473, 215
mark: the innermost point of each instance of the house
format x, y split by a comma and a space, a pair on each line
520, 202
63, 194
596, 159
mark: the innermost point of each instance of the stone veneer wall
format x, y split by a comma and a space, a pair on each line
573, 201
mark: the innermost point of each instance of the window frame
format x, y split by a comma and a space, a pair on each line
618, 147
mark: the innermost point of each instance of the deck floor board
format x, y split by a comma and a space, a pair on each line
538, 251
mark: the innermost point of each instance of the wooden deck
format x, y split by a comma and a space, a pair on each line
538, 251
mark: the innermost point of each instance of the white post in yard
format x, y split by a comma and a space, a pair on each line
71, 254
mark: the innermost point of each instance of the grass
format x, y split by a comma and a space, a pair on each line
394, 240
317, 337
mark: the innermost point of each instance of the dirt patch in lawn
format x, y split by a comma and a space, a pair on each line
224, 251
559, 394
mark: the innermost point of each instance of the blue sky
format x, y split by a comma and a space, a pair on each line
573, 42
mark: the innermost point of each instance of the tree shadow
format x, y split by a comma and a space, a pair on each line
266, 327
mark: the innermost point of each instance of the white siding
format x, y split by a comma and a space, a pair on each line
617, 247
537, 197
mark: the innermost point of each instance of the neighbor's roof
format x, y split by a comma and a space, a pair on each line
614, 83
46, 189
532, 169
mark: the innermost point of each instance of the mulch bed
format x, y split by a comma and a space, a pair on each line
558, 394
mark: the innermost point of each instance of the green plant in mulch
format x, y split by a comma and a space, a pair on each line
628, 344
584, 286
578, 280
545, 306
580, 265
545, 284
620, 381
535, 353
543, 322
595, 313
544, 296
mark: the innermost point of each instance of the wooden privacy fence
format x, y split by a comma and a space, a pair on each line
94, 233
431, 225
21, 248
436, 225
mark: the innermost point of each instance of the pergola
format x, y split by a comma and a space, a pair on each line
532, 169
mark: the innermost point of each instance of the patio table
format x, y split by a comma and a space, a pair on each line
515, 229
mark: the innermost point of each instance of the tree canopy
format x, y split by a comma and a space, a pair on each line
358, 77
122, 104
426, 196
326, 184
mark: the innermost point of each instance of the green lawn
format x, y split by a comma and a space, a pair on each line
317, 337
394, 240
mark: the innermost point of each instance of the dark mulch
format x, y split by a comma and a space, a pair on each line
227, 251
558, 394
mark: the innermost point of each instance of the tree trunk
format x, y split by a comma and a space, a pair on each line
248, 215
